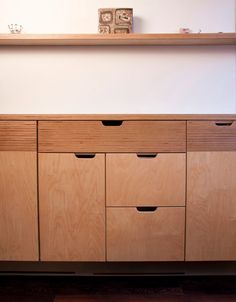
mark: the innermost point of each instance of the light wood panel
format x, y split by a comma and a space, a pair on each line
18, 206
116, 39
133, 180
145, 236
125, 117
211, 206
211, 135
72, 207
130, 136
17, 136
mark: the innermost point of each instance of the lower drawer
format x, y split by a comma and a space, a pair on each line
145, 234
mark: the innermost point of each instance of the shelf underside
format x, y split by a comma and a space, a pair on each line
113, 39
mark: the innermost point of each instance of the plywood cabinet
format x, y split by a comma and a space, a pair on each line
151, 190
18, 192
72, 207
211, 191
211, 206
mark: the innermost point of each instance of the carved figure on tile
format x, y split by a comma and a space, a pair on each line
124, 16
115, 20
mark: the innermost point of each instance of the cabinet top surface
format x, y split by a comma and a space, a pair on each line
128, 117
117, 39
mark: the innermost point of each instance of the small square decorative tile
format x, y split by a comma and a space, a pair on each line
115, 20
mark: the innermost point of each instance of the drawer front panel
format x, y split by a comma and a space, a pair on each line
211, 136
128, 136
145, 236
133, 180
17, 136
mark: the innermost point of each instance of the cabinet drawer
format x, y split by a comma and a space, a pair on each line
17, 136
137, 179
112, 136
134, 235
211, 136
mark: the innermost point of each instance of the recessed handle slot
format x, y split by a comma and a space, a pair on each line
224, 123
112, 123
147, 155
85, 155
146, 209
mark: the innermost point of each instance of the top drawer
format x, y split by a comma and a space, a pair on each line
211, 136
112, 136
17, 136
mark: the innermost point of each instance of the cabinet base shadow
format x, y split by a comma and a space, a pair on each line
119, 268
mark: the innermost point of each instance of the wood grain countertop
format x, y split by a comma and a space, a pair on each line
125, 117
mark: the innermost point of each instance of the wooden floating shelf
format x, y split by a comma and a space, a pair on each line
114, 39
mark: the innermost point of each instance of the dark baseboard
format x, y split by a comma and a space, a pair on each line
119, 268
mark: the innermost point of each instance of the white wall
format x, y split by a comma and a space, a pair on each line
118, 79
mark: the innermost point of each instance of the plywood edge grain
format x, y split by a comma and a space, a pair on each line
126, 117
211, 136
18, 135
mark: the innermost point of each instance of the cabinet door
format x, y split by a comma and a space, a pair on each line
18, 206
211, 206
72, 207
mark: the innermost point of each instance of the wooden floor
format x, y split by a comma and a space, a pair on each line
197, 298
104, 289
